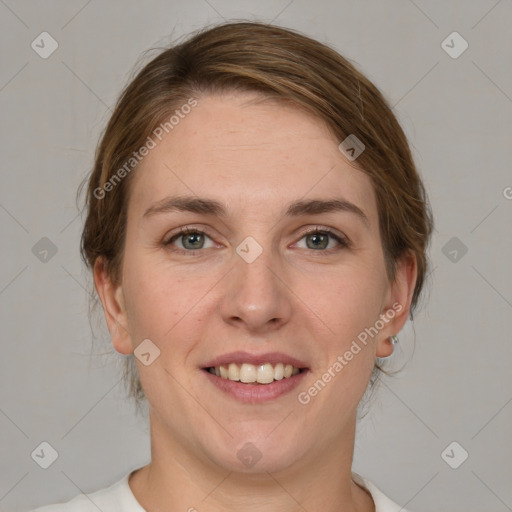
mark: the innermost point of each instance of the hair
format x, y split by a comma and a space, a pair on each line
280, 64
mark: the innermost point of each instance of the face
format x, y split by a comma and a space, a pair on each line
281, 264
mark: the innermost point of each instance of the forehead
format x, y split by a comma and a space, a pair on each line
245, 151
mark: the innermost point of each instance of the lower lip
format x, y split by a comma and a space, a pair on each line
256, 393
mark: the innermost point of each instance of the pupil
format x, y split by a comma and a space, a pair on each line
321, 238
193, 239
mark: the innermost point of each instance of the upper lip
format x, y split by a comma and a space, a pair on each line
240, 357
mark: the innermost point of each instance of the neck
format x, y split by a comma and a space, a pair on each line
179, 479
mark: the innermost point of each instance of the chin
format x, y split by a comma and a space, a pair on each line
257, 454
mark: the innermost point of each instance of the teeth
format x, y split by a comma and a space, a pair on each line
249, 373
233, 372
265, 374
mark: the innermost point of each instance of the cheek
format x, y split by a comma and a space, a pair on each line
347, 301
163, 304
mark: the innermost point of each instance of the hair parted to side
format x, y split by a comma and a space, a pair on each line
282, 64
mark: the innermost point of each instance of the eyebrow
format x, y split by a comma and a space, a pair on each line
295, 209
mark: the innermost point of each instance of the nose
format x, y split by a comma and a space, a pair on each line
257, 295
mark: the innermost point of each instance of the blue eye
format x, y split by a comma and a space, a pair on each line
191, 240
319, 239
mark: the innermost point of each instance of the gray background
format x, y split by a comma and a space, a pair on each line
457, 114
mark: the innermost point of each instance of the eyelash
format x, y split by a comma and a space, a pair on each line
343, 242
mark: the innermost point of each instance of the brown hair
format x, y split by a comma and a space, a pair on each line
282, 64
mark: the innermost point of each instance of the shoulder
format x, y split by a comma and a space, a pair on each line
382, 502
120, 497
116, 497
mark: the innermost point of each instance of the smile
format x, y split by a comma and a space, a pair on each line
249, 373
255, 378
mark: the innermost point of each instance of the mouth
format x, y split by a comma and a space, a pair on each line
247, 373
255, 378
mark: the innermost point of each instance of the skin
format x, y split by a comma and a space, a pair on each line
254, 157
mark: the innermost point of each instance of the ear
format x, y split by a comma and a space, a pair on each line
112, 299
397, 306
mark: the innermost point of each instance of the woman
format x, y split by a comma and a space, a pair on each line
257, 233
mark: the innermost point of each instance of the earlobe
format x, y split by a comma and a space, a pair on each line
398, 306
112, 300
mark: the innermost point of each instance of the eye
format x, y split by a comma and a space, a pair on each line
189, 240
319, 239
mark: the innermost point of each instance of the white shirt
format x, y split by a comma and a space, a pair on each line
119, 498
